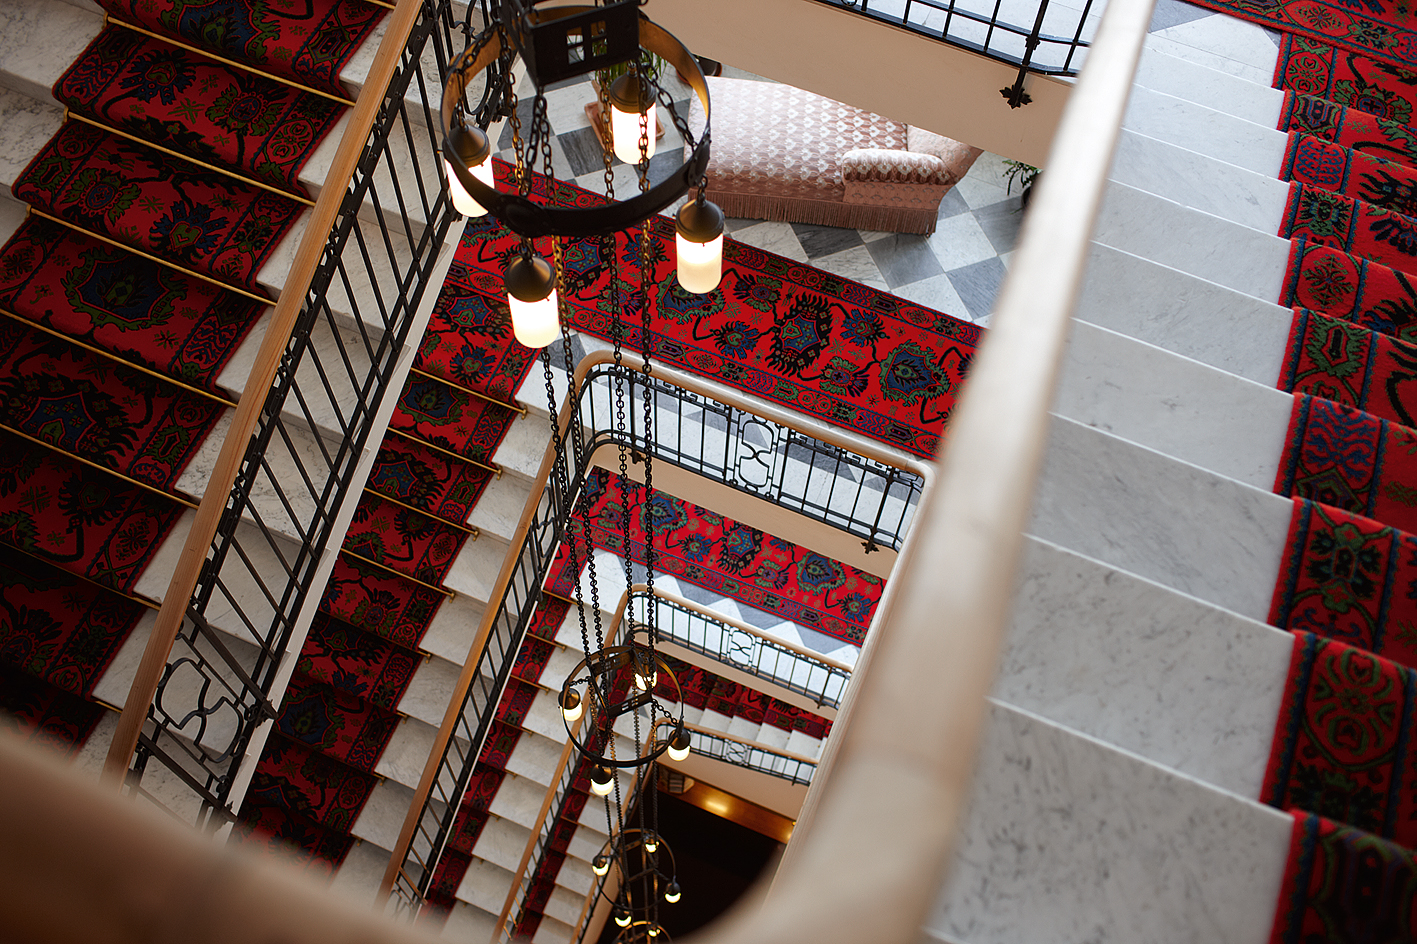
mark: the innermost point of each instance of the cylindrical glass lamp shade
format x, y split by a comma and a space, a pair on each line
679, 745
601, 787
471, 148
632, 117
699, 243
531, 295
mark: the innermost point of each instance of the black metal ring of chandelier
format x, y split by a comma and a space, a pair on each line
601, 665
615, 850
529, 219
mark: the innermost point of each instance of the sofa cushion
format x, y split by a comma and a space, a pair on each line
894, 167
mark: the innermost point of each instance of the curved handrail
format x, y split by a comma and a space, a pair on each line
888, 795
209, 513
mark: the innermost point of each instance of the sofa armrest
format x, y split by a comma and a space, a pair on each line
876, 165
903, 179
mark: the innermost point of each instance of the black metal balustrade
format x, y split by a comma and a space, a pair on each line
694, 431
263, 575
743, 649
978, 26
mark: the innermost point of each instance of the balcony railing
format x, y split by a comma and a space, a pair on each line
289, 473
811, 675
714, 451
984, 27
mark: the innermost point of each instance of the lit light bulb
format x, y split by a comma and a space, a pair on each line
602, 781
622, 917
531, 295
571, 706
679, 745
699, 243
654, 930
471, 148
644, 684
632, 118
651, 842
672, 893
600, 864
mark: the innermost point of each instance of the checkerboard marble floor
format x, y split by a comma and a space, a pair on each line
956, 270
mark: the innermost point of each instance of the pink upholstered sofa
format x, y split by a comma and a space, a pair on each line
783, 153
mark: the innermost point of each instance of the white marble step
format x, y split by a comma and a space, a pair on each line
1248, 144
1180, 407
1140, 511
1164, 71
1068, 839
1225, 328
1201, 183
1222, 43
1194, 242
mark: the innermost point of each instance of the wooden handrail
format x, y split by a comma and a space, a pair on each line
892, 783
253, 398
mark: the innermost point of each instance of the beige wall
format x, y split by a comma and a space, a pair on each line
871, 65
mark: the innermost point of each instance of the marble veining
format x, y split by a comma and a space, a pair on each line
1200, 182
1159, 518
1136, 665
1225, 137
1194, 242
1068, 840
1161, 71
1177, 406
1237, 333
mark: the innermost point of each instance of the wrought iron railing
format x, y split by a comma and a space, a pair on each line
735, 644
977, 25
755, 453
586, 424
213, 680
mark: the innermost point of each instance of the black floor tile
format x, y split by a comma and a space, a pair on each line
977, 285
820, 241
583, 151
952, 205
903, 259
1001, 222
1170, 13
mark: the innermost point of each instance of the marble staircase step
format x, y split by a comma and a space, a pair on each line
1200, 183
1156, 517
1248, 144
1193, 242
1222, 43
1163, 71
1065, 837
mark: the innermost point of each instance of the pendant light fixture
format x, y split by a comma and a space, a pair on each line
633, 118
472, 149
531, 295
699, 240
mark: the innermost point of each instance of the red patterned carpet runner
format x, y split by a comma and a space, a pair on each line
1348, 127
1342, 362
1345, 286
203, 109
1380, 29
307, 42
1342, 884
1343, 747
141, 198
817, 343
1379, 87
102, 296
728, 557
1324, 165
1350, 460
1353, 226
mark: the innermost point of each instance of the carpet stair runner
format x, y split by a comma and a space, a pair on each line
127, 289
